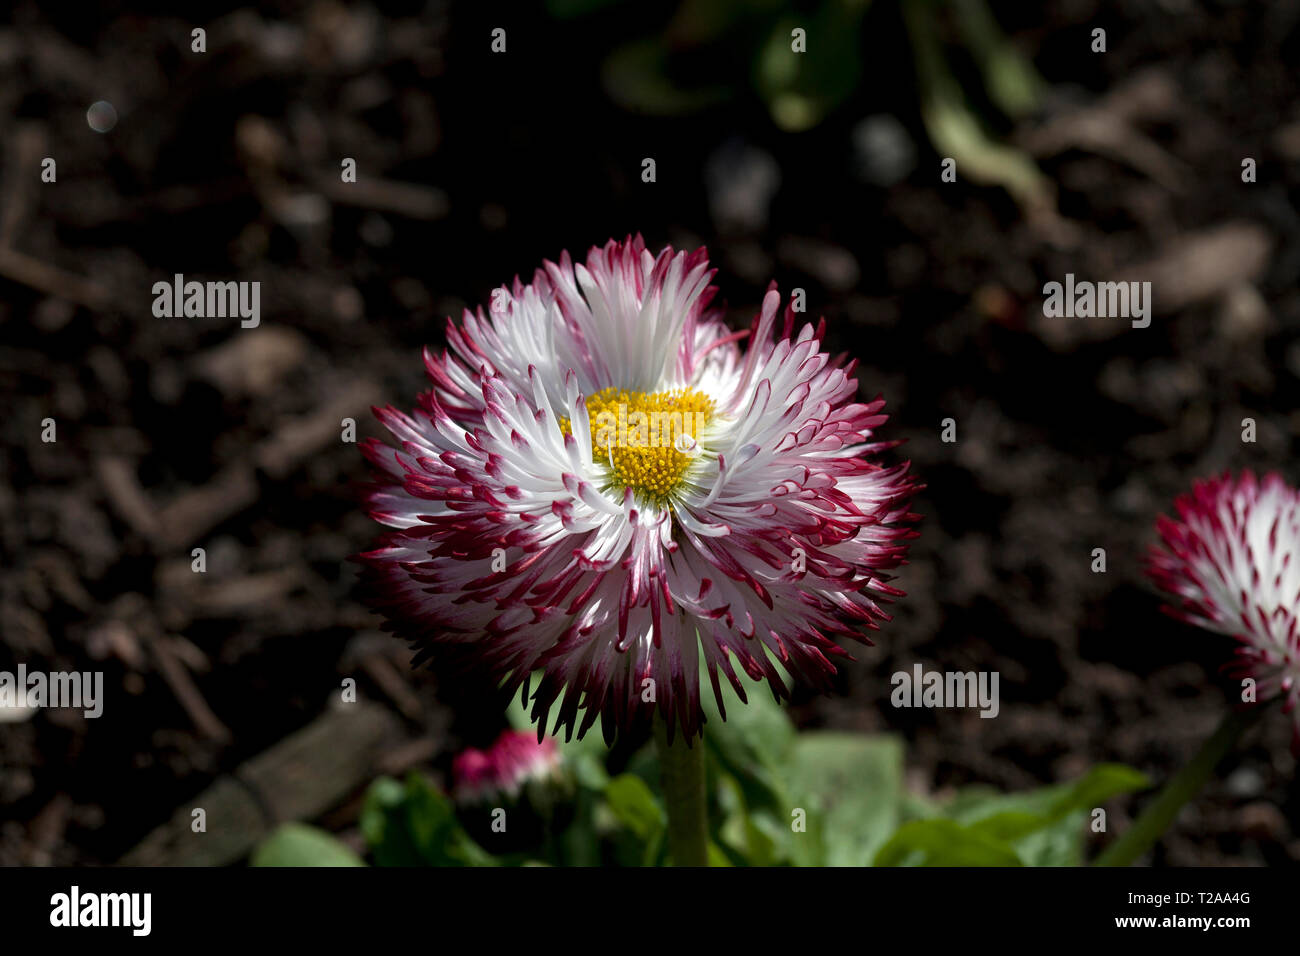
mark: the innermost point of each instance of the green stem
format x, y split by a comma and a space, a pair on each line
681, 767
1184, 785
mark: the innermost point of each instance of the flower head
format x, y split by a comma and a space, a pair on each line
513, 760
602, 486
1232, 562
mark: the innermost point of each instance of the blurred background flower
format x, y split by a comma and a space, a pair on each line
500, 772
1231, 562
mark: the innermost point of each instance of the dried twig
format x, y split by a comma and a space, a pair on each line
128, 499
43, 277
187, 692
394, 686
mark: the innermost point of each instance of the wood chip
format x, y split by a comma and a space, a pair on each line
1200, 266
194, 513
252, 361
129, 501
248, 593
410, 200
297, 779
39, 275
300, 438
187, 692
393, 684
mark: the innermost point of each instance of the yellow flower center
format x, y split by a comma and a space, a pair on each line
646, 440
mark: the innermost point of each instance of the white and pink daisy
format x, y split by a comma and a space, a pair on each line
539, 525
514, 759
1232, 562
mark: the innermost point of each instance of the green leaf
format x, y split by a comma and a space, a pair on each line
915, 806
802, 88
635, 806
854, 784
1048, 804
1098, 785
716, 855
754, 743
580, 840
1009, 76
944, 843
1010, 826
1043, 827
1038, 839
638, 76
641, 837
296, 844
1057, 844
1060, 841
415, 825
957, 133
383, 824
751, 838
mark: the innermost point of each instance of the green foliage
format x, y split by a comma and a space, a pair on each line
635, 807
955, 130
1010, 79
413, 824
852, 787
296, 844
979, 827
943, 842
716, 53
800, 88
786, 798
777, 797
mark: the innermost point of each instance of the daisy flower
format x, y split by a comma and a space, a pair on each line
604, 488
1232, 562
513, 760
